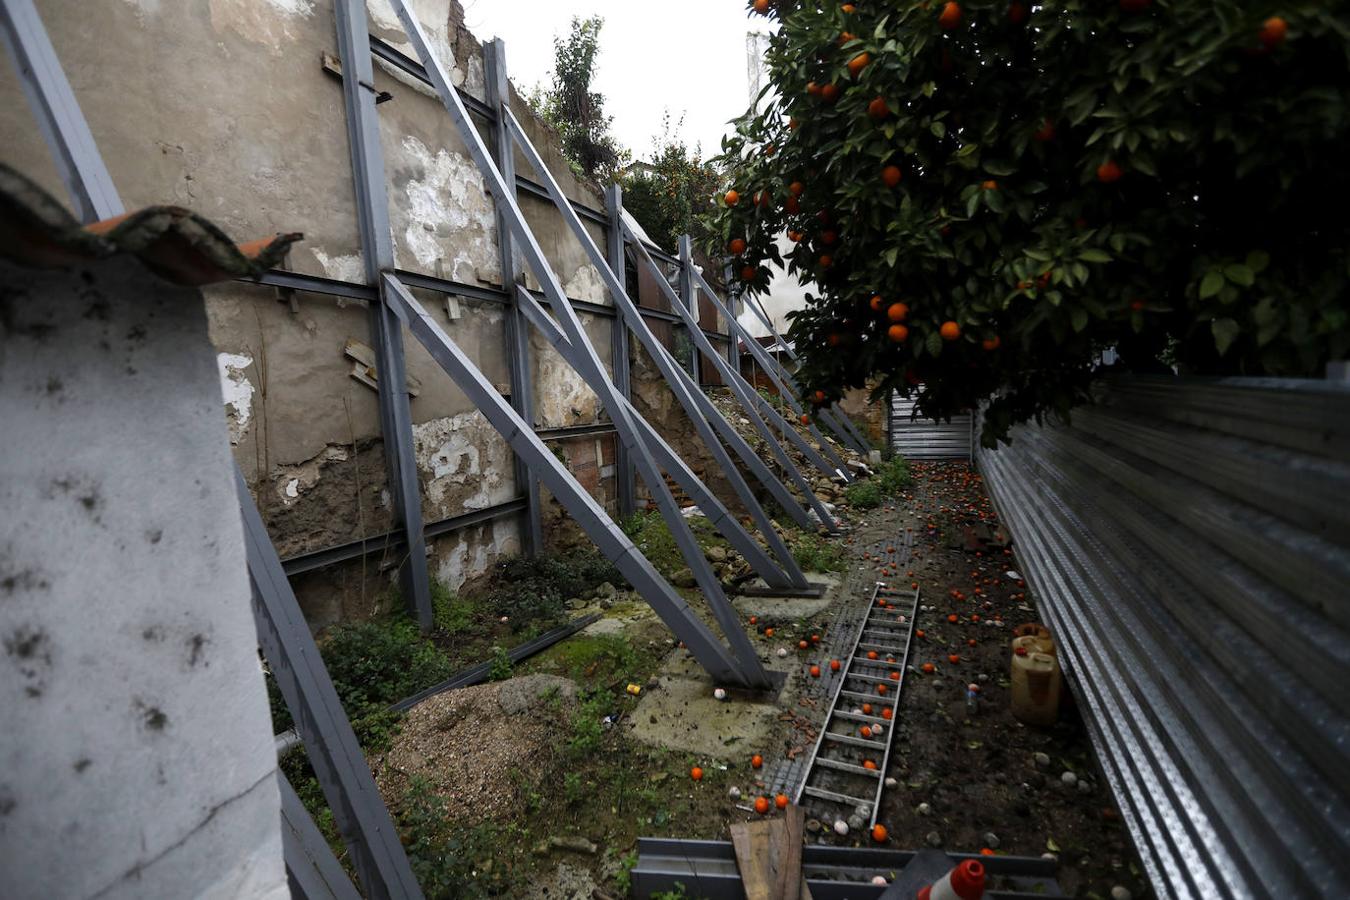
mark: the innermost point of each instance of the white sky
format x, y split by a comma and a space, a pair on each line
687, 57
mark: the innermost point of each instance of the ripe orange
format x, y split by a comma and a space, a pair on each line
732, 198
829, 93
990, 343
796, 188
886, 713
802, 645
768, 632
819, 396
1273, 31
696, 773
867, 709
879, 833
736, 247
815, 671
762, 7
804, 419
865, 731
792, 123
1108, 172
846, 36
781, 801
929, 668
1046, 132
876, 303
990, 185
829, 236
834, 665
748, 273
871, 654
1136, 305
847, 8
761, 805
881, 689
858, 63
890, 176
792, 206
868, 764
953, 659
754, 620
761, 198
897, 312
950, 331
897, 333
826, 260
950, 16
756, 761
795, 237
1017, 13
878, 109
895, 676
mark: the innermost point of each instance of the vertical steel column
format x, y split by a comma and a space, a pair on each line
333, 750
749, 670
58, 114
377, 251
609, 538
618, 351
513, 272
687, 294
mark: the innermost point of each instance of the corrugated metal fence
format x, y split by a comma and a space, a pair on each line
1189, 543
923, 438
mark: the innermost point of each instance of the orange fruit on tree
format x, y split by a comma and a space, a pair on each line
761, 198
1108, 172
792, 123
847, 8
890, 176
731, 198
846, 36
781, 801
950, 17
990, 185
858, 63
876, 303
1273, 31
829, 93
792, 206
756, 761
748, 273
826, 260
736, 247
696, 773
762, 7
950, 331
795, 237
796, 188
1046, 132
897, 312
878, 109
761, 805
804, 418
897, 333
879, 833
990, 343
819, 396
754, 620
829, 236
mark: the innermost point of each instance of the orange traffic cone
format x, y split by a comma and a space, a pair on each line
965, 882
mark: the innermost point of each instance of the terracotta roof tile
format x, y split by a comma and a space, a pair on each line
175, 243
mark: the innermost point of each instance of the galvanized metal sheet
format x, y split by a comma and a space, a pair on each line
921, 438
1187, 545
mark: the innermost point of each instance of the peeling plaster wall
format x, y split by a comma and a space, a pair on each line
223, 106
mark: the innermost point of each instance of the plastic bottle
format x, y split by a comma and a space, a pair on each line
1036, 677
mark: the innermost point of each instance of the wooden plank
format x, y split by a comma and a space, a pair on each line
791, 883
751, 840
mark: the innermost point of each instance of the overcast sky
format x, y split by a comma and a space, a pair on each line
687, 57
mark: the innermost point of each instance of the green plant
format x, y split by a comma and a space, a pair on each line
452, 614
668, 195
588, 724
893, 476
445, 856
816, 554
1165, 179
677, 894
532, 591
501, 666
863, 494
623, 880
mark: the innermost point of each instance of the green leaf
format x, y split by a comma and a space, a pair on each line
1051, 845
1211, 284
933, 343
1225, 332
1095, 256
1239, 274
1257, 261
1079, 318
938, 129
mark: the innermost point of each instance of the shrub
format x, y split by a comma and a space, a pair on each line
893, 476
1040, 182
534, 590
863, 494
814, 554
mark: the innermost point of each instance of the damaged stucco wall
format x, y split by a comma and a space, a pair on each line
234, 116
125, 611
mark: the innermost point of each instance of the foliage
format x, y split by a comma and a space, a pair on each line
534, 590
445, 856
577, 112
600, 659
815, 554
863, 494
648, 530
1160, 177
374, 664
893, 476
501, 665
452, 614
669, 195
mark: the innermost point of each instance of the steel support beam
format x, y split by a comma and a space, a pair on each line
311, 868
513, 273
377, 251
690, 303
750, 403
750, 398
775, 370
718, 515
58, 113
333, 750
608, 537
747, 667
618, 351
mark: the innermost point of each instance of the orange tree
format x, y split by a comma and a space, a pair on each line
988, 194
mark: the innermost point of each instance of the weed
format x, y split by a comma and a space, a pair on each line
815, 554
652, 536
445, 857
533, 591
501, 666
677, 894
453, 614
863, 494
588, 724
600, 659
624, 879
894, 476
